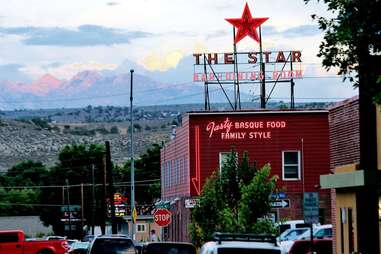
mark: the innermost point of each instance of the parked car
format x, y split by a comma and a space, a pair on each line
70, 242
291, 234
167, 247
111, 244
225, 243
291, 224
319, 232
55, 237
79, 248
320, 246
88, 238
13, 242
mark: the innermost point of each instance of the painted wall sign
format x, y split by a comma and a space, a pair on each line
239, 130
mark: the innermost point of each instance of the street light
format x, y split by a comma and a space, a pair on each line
132, 161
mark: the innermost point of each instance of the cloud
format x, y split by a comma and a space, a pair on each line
155, 62
13, 72
112, 3
65, 71
85, 35
298, 31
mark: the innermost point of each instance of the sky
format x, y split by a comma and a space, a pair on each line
63, 37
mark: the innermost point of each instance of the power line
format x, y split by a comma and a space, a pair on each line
57, 205
148, 182
148, 91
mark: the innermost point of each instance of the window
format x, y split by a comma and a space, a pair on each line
185, 170
224, 156
140, 228
9, 238
291, 165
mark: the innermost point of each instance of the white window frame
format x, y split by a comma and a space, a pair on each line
299, 165
220, 159
143, 225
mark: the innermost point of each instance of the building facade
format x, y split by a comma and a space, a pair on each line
348, 177
295, 143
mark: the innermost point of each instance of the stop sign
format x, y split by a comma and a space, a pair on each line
162, 217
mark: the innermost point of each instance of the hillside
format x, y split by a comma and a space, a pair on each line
40, 134
31, 140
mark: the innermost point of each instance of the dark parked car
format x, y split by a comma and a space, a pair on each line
88, 238
112, 244
167, 248
320, 246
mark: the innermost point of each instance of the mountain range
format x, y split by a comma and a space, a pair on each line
107, 88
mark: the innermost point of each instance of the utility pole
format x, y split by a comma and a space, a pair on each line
132, 160
104, 195
94, 200
68, 206
111, 190
82, 210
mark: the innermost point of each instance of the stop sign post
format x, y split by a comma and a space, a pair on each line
162, 217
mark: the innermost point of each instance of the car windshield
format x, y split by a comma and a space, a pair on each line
113, 246
324, 232
169, 248
246, 251
80, 245
292, 234
318, 233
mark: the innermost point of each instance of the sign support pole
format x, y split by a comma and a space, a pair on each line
206, 87
292, 104
236, 81
262, 74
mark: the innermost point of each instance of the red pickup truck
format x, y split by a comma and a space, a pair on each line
13, 242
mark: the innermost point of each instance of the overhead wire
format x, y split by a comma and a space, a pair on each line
145, 91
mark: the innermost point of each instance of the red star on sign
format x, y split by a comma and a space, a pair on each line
247, 25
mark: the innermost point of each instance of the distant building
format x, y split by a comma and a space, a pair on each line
31, 225
294, 142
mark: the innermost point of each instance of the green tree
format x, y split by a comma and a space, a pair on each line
75, 165
255, 201
15, 201
114, 130
27, 173
18, 202
147, 167
234, 201
207, 218
352, 42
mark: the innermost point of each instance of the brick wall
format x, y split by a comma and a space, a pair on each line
344, 136
344, 133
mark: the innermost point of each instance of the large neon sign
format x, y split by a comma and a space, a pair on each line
240, 130
249, 68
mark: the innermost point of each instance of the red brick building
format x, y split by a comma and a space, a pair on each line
295, 143
347, 175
